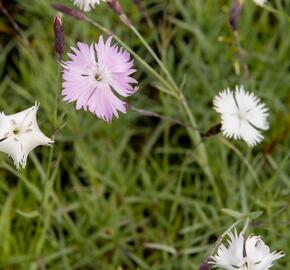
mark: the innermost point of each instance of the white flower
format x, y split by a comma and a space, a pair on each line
260, 2
230, 257
259, 256
243, 115
20, 134
245, 254
87, 5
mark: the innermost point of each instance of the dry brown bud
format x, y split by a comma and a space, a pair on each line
70, 11
58, 36
216, 129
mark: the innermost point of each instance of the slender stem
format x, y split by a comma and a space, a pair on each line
156, 58
218, 242
242, 55
49, 163
195, 134
276, 11
43, 224
157, 115
175, 91
10, 18
240, 155
147, 66
56, 97
144, 12
201, 151
245, 226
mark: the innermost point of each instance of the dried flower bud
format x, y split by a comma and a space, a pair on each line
236, 10
58, 36
70, 11
216, 129
117, 8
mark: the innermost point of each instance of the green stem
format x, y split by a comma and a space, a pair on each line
48, 184
276, 11
247, 222
202, 155
219, 241
136, 56
180, 97
203, 160
175, 91
156, 58
47, 189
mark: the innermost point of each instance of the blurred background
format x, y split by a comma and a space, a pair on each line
134, 194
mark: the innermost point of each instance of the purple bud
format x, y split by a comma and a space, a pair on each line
206, 265
58, 36
236, 10
117, 8
70, 11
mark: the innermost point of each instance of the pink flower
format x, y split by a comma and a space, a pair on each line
96, 75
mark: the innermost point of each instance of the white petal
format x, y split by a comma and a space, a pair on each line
257, 116
230, 257
5, 126
224, 102
14, 149
245, 100
260, 2
20, 134
34, 139
249, 134
231, 126
258, 253
250, 106
243, 115
86, 5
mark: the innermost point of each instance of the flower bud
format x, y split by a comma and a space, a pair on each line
117, 8
58, 36
236, 10
214, 130
206, 265
70, 11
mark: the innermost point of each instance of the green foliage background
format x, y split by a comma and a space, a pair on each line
133, 194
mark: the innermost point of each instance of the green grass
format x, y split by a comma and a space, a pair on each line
136, 194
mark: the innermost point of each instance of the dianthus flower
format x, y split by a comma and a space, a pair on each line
260, 2
245, 254
96, 76
243, 115
87, 5
20, 134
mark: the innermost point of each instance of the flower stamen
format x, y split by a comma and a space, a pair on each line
98, 77
16, 131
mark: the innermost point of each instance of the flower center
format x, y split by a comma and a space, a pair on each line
241, 115
16, 131
98, 77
